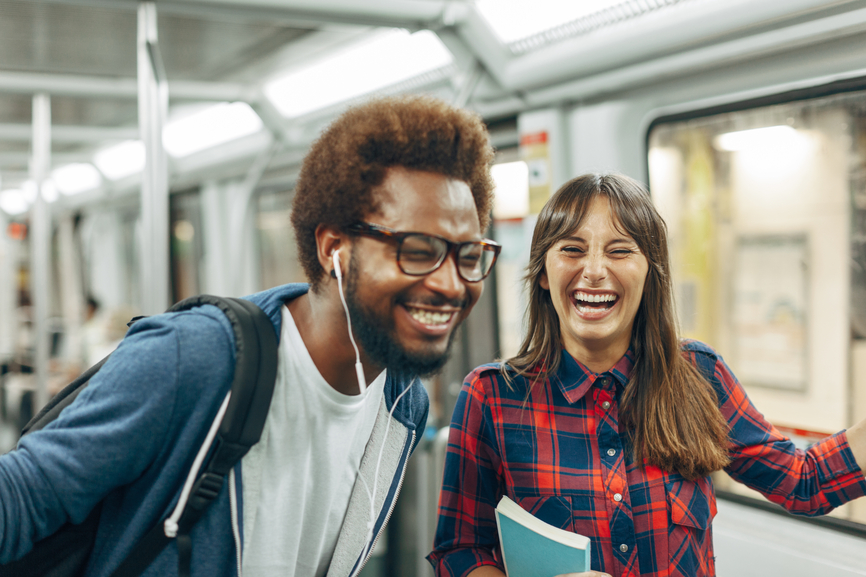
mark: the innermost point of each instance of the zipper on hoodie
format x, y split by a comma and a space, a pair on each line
390, 507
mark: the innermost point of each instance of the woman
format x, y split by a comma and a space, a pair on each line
605, 423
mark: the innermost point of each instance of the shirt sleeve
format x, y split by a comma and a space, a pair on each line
811, 482
466, 535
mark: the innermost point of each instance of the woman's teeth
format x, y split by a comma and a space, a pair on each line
430, 317
594, 301
585, 297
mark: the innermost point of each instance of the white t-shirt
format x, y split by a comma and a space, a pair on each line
298, 478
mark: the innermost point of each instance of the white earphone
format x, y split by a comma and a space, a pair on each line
336, 260
362, 385
359, 368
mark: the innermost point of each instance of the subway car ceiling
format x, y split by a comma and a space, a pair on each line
272, 73
643, 87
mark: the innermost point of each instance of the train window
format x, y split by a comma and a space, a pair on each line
276, 241
766, 209
187, 248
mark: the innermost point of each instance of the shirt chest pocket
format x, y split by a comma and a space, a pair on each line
555, 511
691, 508
548, 465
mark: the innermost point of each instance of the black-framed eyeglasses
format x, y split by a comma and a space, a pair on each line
419, 254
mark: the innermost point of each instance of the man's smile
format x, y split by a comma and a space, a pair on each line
430, 317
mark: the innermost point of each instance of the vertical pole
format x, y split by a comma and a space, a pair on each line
8, 292
70, 291
241, 222
152, 111
40, 244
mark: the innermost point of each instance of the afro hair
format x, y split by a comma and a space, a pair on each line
352, 156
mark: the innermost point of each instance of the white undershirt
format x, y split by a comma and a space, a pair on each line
298, 479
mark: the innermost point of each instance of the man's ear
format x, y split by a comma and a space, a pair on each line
328, 240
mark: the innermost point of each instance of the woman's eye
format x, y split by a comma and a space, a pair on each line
572, 250
621, 252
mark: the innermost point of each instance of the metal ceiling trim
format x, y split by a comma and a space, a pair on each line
61, 133
82, 85
678, 65
585, 24
22, 159
394, 13
676, 29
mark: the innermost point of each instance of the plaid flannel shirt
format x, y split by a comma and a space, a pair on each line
560, 455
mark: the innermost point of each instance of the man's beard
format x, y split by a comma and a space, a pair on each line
377, 336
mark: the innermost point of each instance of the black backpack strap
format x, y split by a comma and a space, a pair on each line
241, 426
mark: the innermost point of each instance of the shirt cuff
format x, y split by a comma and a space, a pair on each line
461, 562
836, 464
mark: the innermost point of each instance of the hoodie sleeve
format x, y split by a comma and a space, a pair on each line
116, 428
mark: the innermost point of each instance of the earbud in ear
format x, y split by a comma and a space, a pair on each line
336, 272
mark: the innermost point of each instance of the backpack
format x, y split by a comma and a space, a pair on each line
65, 553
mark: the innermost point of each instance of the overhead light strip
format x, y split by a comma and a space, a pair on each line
601, 19
377, 63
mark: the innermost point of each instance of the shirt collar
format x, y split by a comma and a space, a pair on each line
574, 379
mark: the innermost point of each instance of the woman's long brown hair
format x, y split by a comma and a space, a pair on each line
668, 409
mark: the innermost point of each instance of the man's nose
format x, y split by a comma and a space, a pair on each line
446, 281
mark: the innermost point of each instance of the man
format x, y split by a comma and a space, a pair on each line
388, 215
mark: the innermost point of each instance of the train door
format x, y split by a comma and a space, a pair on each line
766, 208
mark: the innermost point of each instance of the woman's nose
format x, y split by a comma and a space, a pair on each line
595, 266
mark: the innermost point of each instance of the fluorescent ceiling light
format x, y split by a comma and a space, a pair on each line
14, 202
121, 159
209, 127
758, 138
49, 191
516, 19
378, 61
511, 190
76, 177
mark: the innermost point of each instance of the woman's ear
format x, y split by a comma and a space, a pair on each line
543, 282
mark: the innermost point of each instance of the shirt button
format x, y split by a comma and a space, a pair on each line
617, 497
623, 548
605, 405
611, 452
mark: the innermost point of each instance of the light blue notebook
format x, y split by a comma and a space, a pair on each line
533, 548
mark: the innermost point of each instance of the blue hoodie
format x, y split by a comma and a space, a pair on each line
131, 436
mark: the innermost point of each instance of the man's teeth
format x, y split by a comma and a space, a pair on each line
430, 317
588, 298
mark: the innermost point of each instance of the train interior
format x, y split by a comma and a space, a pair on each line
149, 151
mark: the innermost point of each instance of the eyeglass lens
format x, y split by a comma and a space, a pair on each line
421, 254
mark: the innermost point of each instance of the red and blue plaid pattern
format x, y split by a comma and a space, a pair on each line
560, 455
